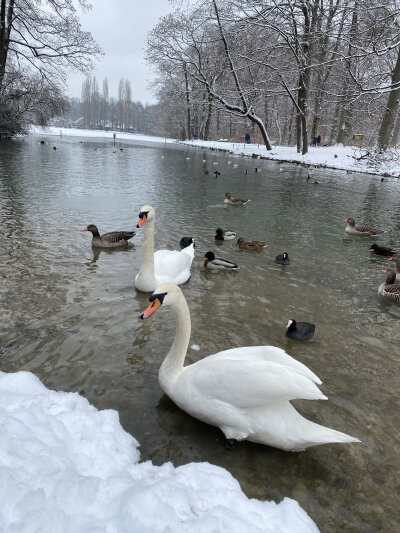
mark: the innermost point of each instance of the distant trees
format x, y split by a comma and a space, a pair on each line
39, 41
287, 69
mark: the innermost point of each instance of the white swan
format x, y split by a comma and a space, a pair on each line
163, 266
246, 392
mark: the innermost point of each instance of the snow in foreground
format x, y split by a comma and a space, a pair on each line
67, 467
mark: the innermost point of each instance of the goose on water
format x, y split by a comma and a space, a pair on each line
163, 266
389, 288
113, 239
234, 201
218, 263
361, 230
246, 392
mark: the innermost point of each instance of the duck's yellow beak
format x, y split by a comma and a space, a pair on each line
150, 309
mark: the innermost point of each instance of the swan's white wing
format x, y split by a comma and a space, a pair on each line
247, 384
171, 266
266, 353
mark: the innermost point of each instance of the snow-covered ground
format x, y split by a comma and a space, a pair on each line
67, 467
339, 157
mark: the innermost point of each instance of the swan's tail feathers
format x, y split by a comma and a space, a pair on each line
189, 250
315, 434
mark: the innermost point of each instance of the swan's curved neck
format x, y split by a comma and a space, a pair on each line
173, 363
147, 265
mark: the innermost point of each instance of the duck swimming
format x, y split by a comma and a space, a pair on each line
250, 245
361, 230
300, 331
218, 263
161, 266
234, 201
113, 239
388, 288
186, 241
246, 392
224, 235
381, 250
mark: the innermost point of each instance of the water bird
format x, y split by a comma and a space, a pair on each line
216, 173
229, 162
187, 159
388, 288
381, 250
250, 245
396, 259
361, 230
204, 160
163, 266
206, 172
54, 147
316, 182
218, 263
224, 235
246, 171
300, 331
246, 391
187, 241
282, 259
42, 142
234, 201
113, 239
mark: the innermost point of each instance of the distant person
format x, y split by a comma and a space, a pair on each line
314, 142
319, 140
247, 138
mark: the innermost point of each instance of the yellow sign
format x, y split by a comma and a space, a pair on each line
357, 137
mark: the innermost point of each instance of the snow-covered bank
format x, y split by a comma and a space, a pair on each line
337, 157
67, 467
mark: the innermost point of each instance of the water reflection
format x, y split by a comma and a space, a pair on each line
70, 312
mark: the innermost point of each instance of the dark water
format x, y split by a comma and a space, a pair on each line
71, 316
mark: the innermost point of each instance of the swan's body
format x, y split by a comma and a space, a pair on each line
361, 230
163, 266
389, 288
246, 392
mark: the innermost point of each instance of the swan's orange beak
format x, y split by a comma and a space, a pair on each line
141, 221
84, 229
151, 308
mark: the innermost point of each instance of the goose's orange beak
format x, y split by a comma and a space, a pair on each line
84, 229
390, 259
346, 220
150, 309
384, 271
141, 221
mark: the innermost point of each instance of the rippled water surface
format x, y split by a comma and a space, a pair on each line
70, 315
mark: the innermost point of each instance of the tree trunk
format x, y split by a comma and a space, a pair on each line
188, 119
389, 115
208, 121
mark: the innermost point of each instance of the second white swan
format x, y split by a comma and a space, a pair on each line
163, 266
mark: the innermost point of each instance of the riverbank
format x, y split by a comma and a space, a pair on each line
349, 158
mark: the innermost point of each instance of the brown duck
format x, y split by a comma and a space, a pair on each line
250, 245
388, 288
113, 239
234, 201
361, 230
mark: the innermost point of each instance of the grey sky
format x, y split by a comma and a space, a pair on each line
120, 28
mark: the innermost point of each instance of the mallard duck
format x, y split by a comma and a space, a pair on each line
250, 245
187, 241
164, 265
218, 263
282, 259
234, 201
388, 288
396, 259
113, 239
224, 235
361, 230
246, 392
300, 331
381, 250
216, 173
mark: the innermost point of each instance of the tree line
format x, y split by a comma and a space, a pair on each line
288, 70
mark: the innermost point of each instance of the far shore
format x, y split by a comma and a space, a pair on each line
336, 157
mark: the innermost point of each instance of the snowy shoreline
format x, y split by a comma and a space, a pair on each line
335, 157
67, 467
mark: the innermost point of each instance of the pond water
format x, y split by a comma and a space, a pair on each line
71, 315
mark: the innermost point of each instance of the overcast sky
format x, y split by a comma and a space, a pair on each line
120, 28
